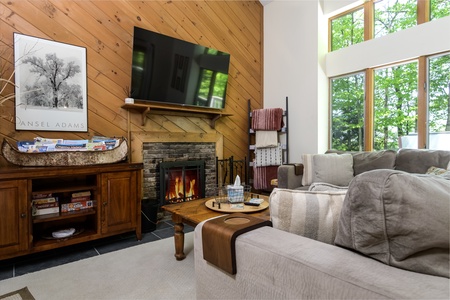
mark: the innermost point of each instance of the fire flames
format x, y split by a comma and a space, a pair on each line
178, 193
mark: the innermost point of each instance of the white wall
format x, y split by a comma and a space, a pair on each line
425, 39
297, 65
292, 68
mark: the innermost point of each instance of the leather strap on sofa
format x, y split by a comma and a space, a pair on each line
298, 169
219, 236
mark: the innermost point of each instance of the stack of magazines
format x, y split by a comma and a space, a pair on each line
39, 144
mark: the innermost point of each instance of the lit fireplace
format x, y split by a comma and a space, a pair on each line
182, 181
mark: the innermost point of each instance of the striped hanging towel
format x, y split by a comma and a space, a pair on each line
267, 119
262, 176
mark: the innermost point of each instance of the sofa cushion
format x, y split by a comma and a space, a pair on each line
399, 219
325, 187
333, 169
330, 168
311, 214
367, 161
420, 160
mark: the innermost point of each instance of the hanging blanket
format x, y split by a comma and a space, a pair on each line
262, 176
267, 119
265, 138
268, 156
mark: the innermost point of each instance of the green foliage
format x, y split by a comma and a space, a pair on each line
348, 113
396, 87
439, 9
395, 104
394, 15
439, 94
347, 30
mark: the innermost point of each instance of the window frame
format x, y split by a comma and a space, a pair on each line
423, 16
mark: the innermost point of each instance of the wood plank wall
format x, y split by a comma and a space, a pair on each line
105, 28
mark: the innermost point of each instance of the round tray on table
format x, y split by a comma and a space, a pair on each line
228, 208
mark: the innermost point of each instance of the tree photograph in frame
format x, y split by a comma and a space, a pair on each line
50, 77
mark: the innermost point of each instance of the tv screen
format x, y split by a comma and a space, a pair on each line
169, 70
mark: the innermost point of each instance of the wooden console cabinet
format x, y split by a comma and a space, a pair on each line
115, 189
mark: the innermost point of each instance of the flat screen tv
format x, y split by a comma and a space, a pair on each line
172, 71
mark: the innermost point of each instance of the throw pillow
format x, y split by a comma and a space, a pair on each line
333, 169
311, 214
308, 172
309, 168
436, 171
399, 219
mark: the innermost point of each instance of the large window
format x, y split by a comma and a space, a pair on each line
347, 30
395, 105
438, 128
377, 18
403, 104
347, 113
394, 15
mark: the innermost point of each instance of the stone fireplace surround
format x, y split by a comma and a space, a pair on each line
151, 148
155, 153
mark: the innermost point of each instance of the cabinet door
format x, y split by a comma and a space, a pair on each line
14, 217
119, 201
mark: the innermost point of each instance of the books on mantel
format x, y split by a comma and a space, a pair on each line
44, 205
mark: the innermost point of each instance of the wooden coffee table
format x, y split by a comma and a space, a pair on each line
194, 212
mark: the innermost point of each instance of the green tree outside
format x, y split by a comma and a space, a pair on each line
395, 94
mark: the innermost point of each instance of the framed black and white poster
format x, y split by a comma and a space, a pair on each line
51, 88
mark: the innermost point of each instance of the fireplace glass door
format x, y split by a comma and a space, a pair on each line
182, 181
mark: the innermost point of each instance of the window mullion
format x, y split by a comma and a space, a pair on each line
368, 110
423, 11
368, 20
422, 104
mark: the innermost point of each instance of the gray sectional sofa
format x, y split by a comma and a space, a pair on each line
385, 236
409, 160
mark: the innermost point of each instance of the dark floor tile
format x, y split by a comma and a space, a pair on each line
117, 245
149, 237
164, 233
164, 224
6, 272
188, 228
169, 231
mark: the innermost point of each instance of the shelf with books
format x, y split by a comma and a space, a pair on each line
63, 189
64, 215
42, 244
105, 200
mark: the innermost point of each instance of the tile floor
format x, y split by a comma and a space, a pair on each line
52, 258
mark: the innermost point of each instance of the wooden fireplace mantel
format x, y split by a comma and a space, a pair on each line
147, 108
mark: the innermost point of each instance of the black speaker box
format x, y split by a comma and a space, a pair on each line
149, 214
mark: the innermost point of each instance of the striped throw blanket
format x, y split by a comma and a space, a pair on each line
267, 119
262, 176
313, 215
